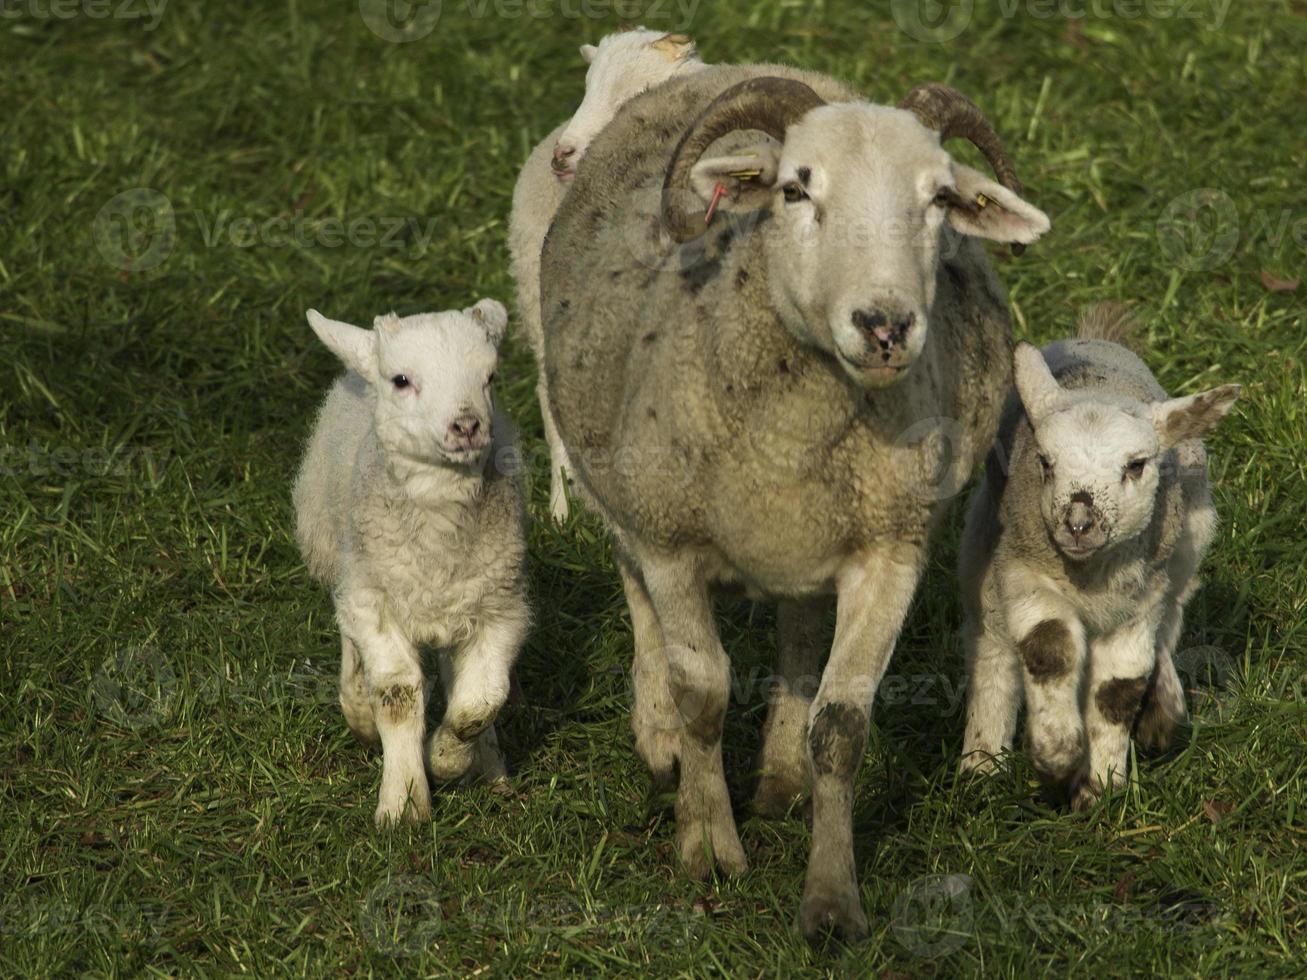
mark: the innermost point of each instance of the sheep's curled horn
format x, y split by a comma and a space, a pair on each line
950, 113
771, 104
768, 104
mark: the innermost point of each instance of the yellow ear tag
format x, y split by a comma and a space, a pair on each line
744, 174
981, 200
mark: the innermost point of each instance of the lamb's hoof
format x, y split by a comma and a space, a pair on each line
391, 814
1085, 797
448, 756
660, 751
501, 786
776, 797
978, 762
828, 913
721, 849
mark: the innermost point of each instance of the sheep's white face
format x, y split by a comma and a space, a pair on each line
432, 375
1099, 454
621, 67
860, 197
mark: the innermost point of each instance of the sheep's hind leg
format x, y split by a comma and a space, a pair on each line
873, 602
783, 770
654, 718
698, 672
476, 682
393, 671
354, 699
560, 467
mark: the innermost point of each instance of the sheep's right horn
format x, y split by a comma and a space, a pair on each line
769, 104
950, 113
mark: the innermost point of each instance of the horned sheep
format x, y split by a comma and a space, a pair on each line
407, 508
621, 66
765, 405
1080, 550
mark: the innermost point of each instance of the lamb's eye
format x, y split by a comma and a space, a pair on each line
491, 380
1046, 465
943, 197
400, 381
1135, 468
793, 192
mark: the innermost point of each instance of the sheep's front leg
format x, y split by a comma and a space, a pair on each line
993, 697
1120, 666
698, 677
392, 670
873, 600
476, 687
654, 718
783, 772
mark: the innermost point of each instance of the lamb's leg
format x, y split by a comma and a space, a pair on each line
354, 699
993, 697
560, 467
1119, 669
1051, 646
487, 761
393, 672
654, 718
474, 694
1164, 708
873, 601
698, 673
783, 773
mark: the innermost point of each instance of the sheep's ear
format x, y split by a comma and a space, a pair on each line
985, 208
492, 316
1040, 393
387, 323
1193, 416
356, 347
588, 52
674, 47
747, 176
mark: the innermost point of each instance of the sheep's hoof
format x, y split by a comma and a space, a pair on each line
704, 847
1085, 796
448, 756
776, 796
391, 815
832, 913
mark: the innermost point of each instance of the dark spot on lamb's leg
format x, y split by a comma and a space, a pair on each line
1118, 700
741, 278
398, 701
1047, 651
650, 337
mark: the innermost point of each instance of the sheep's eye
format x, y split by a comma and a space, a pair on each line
793, 193
400, 381
1135, 468
491, 380
943, 197
1045, 465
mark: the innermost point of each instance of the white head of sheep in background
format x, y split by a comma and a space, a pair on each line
622, 66
400, 510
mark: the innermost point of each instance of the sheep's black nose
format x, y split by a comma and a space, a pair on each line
465, 426
886, 330
1080, 515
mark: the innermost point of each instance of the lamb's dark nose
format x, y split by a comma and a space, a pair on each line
562, 157
885, 330
1079, 518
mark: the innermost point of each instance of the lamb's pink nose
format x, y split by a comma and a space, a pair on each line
562, 157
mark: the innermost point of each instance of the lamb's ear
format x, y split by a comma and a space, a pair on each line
1040, 393
492, 316
356, 347
1193, 416
748, 177
985, 208
588, 52
674, 47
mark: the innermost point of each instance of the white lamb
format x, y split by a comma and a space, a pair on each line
621, 67
403, 511
1080, 551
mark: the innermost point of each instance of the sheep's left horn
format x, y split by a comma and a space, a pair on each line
769, 104
951, 114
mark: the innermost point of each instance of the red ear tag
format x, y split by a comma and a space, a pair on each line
718, 192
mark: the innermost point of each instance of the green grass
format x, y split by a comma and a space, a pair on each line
180, 794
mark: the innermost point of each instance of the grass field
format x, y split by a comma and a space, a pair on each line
180, 793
